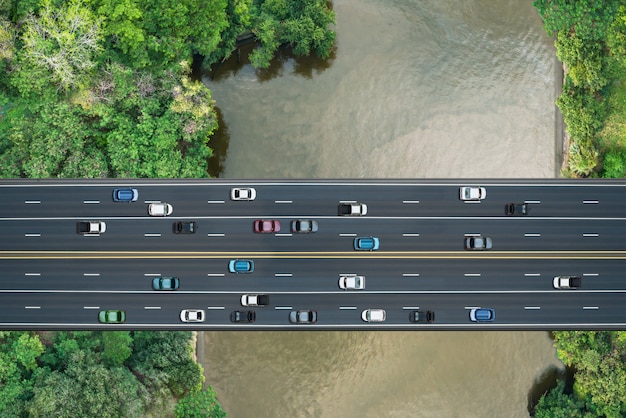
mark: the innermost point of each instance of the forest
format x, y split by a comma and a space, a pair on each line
590, 39
102, 88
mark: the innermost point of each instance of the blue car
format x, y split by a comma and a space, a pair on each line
366, 244
241, 266
482, 315
125, 195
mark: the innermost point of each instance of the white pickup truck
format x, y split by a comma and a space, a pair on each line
352, 209
91, 227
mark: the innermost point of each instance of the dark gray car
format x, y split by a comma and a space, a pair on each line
303, 226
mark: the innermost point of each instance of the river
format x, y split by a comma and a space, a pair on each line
414, 89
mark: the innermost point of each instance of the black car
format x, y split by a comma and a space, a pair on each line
420, 316
185, 227
243, 316
513, 209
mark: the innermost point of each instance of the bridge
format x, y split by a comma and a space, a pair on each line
52, 277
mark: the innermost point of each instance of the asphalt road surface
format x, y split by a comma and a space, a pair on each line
51, 277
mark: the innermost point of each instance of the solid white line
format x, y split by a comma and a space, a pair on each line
532, 235
210, 202
151, 201
410, 274
237, 183
152, 274
411, 235
472, 307
532, 274
410, 307
91, 307
416, 218
32, 235
31, 202
151, 235
411, 201
533, 201
283, 274
591, 307
347, 307
347, 201
152, 307
91, 202
471, 274
590, 202
215, 235
591, 235
338, 292
32, 307
534, 308
216, 308
590, 274
283, 308
283, 201
471, 201
282, 235
347, 235
472, 234
91, 274
215, 274
32, 274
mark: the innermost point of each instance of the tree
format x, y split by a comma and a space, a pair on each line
64, 41
303, 25
557, 404
117, 347
86, 389
200, 404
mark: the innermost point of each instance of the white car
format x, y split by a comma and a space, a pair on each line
192, 315
351, 282
160, 209
246, 193
255, 300
374, 315
472, 193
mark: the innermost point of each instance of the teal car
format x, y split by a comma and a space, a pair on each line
366, 244
112, 317
165, 283
241, 266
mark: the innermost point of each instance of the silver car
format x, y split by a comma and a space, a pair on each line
351, 282
160, 209
469, 193
192, 315
478, 243
242, 193
374, 315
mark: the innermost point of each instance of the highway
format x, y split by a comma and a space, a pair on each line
53, 278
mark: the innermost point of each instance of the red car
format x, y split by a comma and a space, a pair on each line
266, 226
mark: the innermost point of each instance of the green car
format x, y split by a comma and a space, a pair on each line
112, 317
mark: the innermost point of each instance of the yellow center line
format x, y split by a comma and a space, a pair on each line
33, 255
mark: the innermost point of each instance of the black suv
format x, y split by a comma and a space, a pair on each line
417, 316
185, 227
512, 209
243, 316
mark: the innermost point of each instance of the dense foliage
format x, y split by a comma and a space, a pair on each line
591, 43
101, 374
101, 88
599, 358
